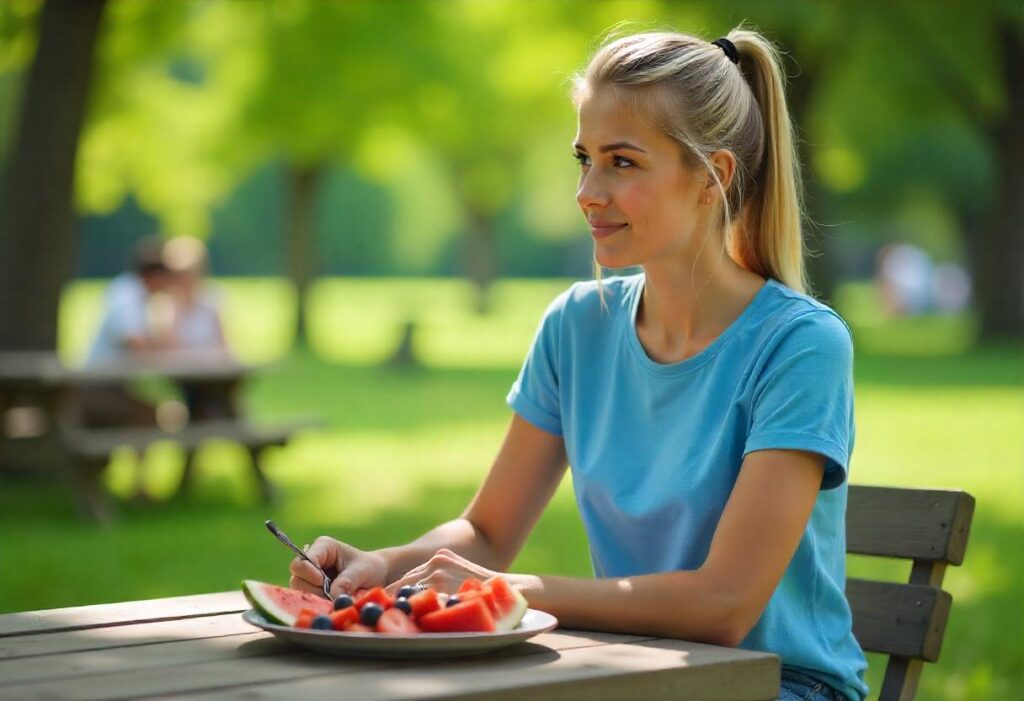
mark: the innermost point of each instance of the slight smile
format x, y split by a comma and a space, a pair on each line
600, 231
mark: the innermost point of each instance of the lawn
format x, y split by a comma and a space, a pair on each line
405, 449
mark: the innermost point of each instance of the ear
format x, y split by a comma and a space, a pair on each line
724, 163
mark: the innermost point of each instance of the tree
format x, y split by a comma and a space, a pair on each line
36, 248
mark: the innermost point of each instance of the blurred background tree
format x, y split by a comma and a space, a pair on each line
255, 123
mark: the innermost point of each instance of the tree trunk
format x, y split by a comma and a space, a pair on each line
300, 246
997, 249
481, 257
36, 246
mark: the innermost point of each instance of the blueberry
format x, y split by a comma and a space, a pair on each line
452, 600
370, 614
402, 604
406, 591
322, 623
342, 602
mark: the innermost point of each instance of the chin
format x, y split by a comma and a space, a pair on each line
613, 259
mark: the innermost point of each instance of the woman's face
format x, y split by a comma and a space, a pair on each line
640, 199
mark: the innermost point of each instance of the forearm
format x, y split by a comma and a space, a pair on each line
686, 605
458, 535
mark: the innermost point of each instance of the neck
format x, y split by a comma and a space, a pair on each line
685, 306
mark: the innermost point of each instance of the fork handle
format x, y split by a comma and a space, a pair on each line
279, 534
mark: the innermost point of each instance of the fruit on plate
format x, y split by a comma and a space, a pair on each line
465, 617
282, 605
396, 622
493, 605
378, 596
510, 604
506, 604
423, 603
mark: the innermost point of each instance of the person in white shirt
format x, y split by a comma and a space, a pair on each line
125, 329
197, 327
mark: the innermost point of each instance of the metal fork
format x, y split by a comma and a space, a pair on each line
279, 534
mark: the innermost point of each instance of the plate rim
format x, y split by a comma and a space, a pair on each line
544, 626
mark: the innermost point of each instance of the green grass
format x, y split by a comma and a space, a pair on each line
405, 449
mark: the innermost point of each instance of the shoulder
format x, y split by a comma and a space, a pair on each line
125, 289
588, 298
797, 322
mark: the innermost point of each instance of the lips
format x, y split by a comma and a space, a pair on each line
601, 229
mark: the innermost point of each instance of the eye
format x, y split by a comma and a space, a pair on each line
623, 162
581, 158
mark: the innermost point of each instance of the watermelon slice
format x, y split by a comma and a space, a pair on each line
468, 617
509, 603
280, 604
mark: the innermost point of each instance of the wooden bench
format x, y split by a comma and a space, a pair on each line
905, 621
90, 449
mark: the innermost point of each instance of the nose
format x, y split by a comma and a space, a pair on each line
591, 191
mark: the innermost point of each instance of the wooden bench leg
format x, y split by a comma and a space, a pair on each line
91, 498
267, 489
901, 677
187, 474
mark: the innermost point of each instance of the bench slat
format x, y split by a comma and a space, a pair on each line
99, 443
908, 620
918, 524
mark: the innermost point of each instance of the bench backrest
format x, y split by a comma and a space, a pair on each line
905, 621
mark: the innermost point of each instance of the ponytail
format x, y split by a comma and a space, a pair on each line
770, 240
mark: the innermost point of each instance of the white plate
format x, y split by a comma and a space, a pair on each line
418, 645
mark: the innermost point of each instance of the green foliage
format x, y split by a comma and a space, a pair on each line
461, 109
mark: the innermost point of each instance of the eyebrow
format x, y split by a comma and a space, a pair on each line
624, 145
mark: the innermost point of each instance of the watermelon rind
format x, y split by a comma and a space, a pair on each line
511, 619
264, 598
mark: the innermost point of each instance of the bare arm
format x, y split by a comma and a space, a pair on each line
719, 602
496, 523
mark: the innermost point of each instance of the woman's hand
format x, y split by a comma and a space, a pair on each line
356, 569
443, 572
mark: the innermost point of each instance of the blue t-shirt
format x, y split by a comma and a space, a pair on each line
655, 449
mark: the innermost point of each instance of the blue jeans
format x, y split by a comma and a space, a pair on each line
803, 687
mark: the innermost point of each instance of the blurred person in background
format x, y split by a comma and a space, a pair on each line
910, 283
127, 329
196, 327
905, 279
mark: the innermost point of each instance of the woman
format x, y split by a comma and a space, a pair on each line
705, 405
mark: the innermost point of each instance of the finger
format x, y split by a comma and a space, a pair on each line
412, 578
325, 552
303, 585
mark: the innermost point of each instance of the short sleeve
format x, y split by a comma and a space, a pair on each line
803, 397
534, 394
126, 311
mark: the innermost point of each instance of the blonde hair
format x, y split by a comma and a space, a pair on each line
693, 92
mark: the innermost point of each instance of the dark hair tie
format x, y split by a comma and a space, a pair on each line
729, 48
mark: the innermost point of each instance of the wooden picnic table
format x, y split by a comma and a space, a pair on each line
42, 428
199, 647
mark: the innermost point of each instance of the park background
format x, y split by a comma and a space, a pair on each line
364, 169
